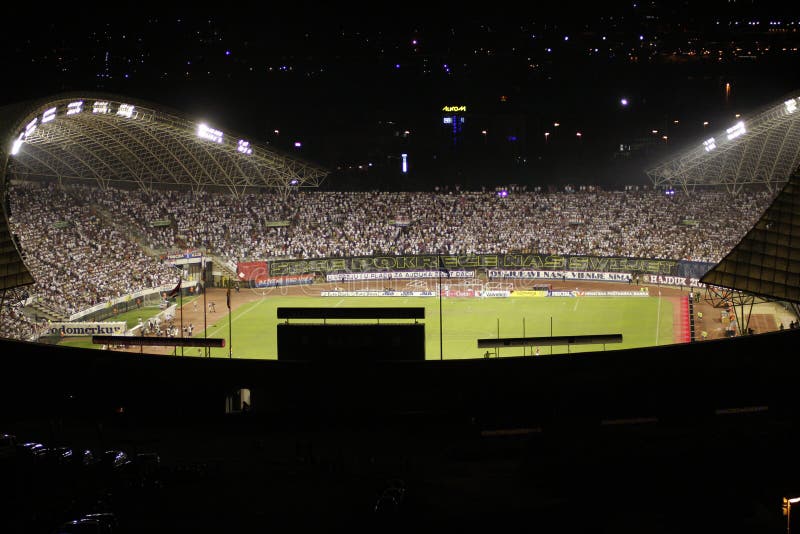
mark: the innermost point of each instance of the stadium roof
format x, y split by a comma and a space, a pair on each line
113, 140
762, 149
118, 141
766, 262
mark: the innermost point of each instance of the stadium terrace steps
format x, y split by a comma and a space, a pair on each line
40, 311
223, 266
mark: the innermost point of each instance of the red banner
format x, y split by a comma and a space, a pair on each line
255, 271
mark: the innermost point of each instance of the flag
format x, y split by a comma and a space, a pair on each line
176, 289
228, 297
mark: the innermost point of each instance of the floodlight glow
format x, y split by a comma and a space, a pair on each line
709, 144
209, 133
791, 105
16, 146
31, 127
244, 147
624, 101
48, 115
736, 130
294, 181
74, 107
125, 110
100, 106
404, 158
298, 144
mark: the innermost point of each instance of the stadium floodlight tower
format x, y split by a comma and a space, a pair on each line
761, 150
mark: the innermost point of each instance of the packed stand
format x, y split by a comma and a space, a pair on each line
76, 255
78, 240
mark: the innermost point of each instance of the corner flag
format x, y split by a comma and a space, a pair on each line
176, 289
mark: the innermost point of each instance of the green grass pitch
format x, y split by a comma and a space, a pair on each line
642, 321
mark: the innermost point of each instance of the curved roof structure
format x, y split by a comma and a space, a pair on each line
763, 149
116, 140
766, 262
113, 140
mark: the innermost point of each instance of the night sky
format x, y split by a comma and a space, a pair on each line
359, 88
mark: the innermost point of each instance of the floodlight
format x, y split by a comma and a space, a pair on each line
16, 146
48, 115
244, 147
209, 133
74, 107
791, 105
709, 144
125, 110
31, 127
100, 106
736, 130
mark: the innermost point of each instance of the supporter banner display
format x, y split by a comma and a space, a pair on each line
401, 275
474, 261
562, 275
86, 329
252, 270
672, 281
277, 281
186, 254
378, 293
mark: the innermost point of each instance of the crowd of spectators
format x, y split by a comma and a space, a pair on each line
77, 256
85, 245
642, 222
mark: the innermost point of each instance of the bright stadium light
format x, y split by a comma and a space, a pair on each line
709, 144
404, 158
74, 107
16, 146
31, 127
244, 147
100, 106
125, 110
48, 115
736, 130
791, 105
209, 133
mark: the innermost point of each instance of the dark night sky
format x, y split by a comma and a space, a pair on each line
348, 83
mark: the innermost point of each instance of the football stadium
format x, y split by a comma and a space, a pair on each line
156, 267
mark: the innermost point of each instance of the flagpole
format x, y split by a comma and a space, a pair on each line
181, 293
205, 309
230, 328
439, 267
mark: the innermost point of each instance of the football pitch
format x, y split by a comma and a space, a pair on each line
642, 321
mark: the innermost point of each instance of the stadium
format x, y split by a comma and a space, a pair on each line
233, 284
